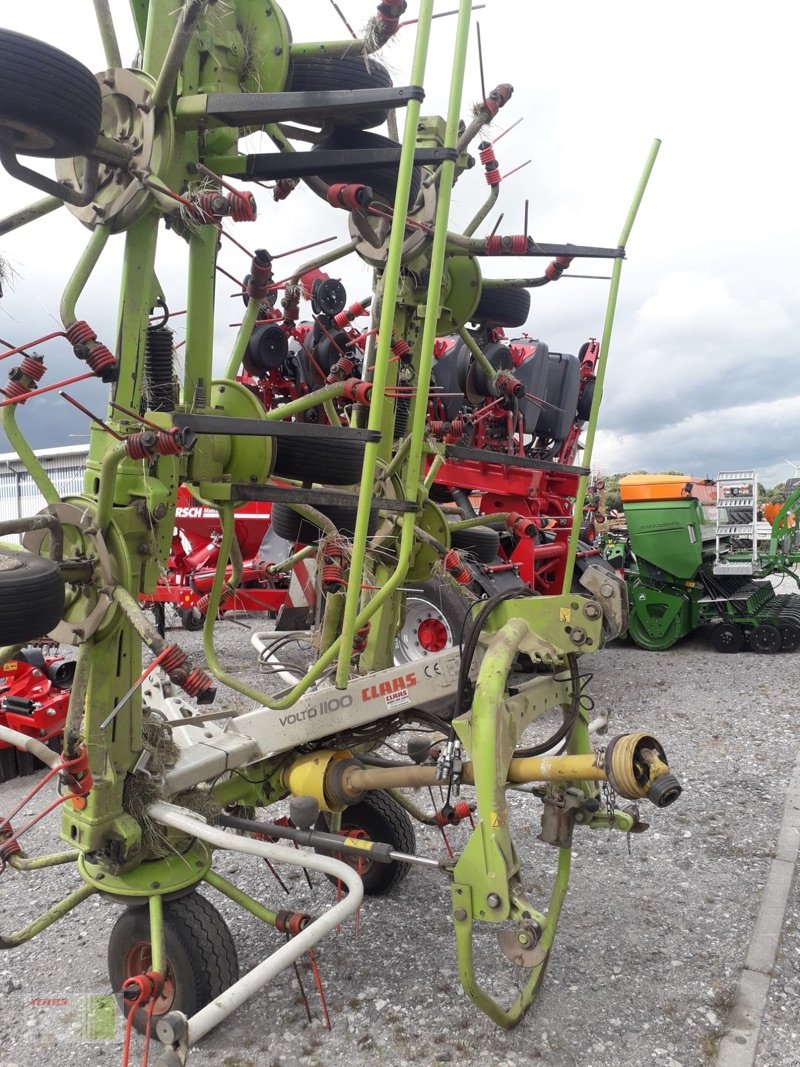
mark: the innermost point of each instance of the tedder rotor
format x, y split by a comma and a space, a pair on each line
153, 781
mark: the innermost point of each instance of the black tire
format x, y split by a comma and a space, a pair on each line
480, 541
327, 73
766, 639
50, 103
291, 527
31, 597
200, 953
585, 400
191, 620
381, 179
328, 464
727, 637
382, 819
446, 607
790, 636
159, 610
499, 306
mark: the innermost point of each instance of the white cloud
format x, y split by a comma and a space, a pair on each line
707, 323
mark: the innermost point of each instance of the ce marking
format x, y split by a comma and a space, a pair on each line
433, 668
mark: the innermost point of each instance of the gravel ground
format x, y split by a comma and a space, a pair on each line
650, 944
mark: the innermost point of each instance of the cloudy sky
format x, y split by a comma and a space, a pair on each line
703, 372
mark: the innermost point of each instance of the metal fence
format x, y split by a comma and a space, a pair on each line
19, 496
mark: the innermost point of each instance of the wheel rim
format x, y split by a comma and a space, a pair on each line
139, 960
766, 638
653, 642
433, 635
361, 864
728, 637
790, 636
425, 631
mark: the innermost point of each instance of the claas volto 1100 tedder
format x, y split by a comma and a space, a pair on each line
153, 783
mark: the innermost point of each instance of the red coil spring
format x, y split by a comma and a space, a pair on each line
34, 368
357, 392
100, 360
515, 246
260, 278
456, 568
554, 270
333, 574
168, 442
139, 445
347, 316
486, 152
498, 97
400, 348
456, 432
291, 306
360, 642
284, 186
487, 157
462, 809
242, 207
174, 659
14, 388
206, 208
80, 333
351, 197
389, 16
197, 682
12, 848
437, 427
341, 369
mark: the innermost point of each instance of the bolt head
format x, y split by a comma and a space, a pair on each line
493, 900
460, 914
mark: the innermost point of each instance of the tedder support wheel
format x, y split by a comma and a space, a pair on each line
291, 527
434, 618
308, 461
503, 306
766, 638
50, 104
480, 541
727, 637
381, 178
380, 818
326, 73
200, 954
31, 597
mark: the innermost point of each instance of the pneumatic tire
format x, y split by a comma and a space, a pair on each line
381, 178
503, 306
200, 956
31, 597
50, 104
381, 818
327, 73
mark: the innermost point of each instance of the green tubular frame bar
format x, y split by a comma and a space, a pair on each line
124, 496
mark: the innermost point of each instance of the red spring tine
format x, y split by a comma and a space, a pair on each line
45, 389
38, 341
320, 990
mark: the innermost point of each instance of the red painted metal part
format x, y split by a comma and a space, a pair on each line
30, 702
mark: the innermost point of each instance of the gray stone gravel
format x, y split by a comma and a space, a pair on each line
649, 947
